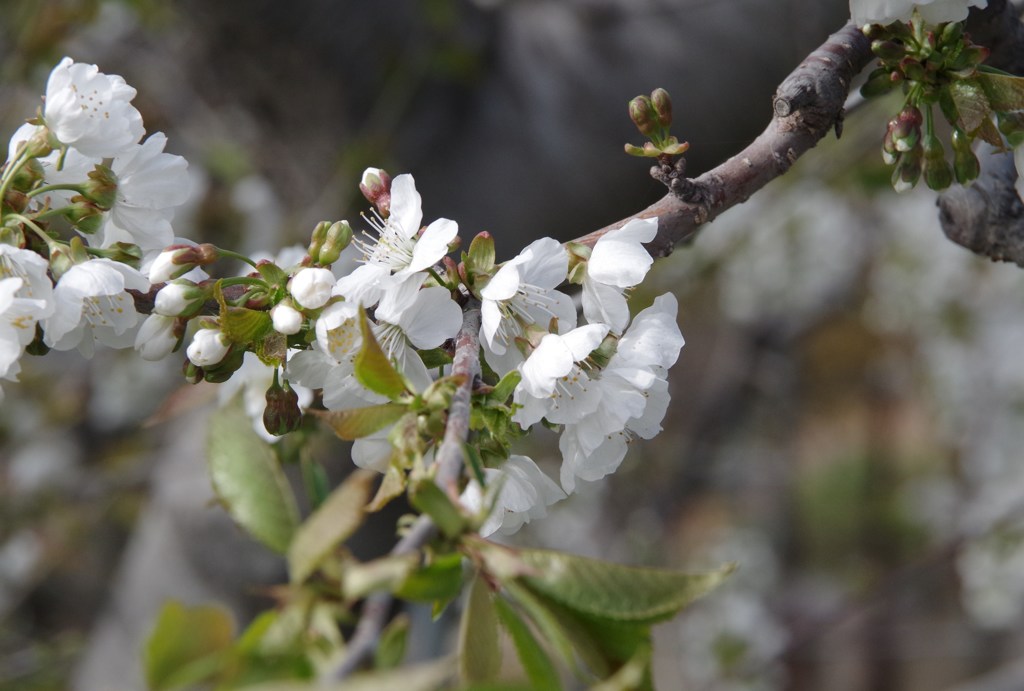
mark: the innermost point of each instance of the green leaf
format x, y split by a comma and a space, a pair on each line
553, 628
536, 663
272, 349
372, 367
391, 649
272, 273
330, 525
503, 390
357, 423
971, 103
430, 499
187, 645
1005, 92
479, 653
613, 591
248, 479
435, 357
438, 581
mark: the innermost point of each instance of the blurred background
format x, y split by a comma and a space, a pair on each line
848, 412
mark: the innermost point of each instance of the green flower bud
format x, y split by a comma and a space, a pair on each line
336, 239
908, 169
888, 50
951, 33
938, 174
222, 371
965, 164
662, 103
282, 414
912, 69
906, 132
1012, 127
643, 115
316, 239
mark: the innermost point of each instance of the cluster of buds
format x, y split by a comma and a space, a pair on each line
652, 116
940, 66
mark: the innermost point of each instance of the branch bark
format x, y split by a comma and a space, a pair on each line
449, 460
807, 106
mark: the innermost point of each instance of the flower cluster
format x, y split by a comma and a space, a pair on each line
366, 319
86, 203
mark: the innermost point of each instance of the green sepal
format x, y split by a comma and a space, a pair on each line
480, 259
239, 324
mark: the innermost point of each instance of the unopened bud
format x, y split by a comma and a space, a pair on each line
282, 414
222, 371
912, 69
888, 50
906, 132
952, 32
662, 103
643, 115
376, 187
178, 260
209, 347
1012, 126
311, 288
336, 239
965, 164
908, 169
180, 298
286, 319
938, 174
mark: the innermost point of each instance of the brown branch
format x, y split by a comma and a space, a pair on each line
807, 106
449, 460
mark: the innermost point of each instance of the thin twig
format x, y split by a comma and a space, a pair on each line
807, 106
376, 607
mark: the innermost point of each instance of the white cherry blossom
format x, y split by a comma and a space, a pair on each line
556, 379
91, 304
150, 185
631, 394
520, 295
932, 11
17, 325
518, 492
399, 249
618, 261
32, 269
91, 111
